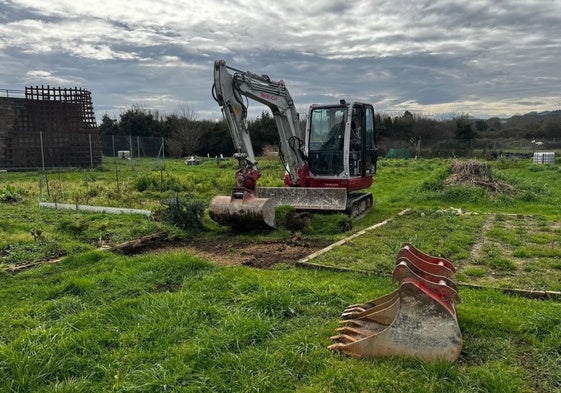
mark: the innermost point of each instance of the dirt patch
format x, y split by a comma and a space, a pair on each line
262, 255
229, 251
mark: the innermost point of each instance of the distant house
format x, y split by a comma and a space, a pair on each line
45, 127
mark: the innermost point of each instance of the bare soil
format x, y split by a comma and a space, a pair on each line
231, 251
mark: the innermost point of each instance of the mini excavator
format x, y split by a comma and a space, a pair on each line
327, 165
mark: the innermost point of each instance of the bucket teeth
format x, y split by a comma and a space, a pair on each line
352, 331
344, 339
417, 320
379, 308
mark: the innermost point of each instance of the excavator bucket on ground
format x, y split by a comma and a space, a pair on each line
416, 320
248, 212
306, 198
258, 211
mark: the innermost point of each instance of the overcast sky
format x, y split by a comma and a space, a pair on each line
479, 57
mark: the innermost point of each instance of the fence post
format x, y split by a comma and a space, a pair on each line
42, 149
130, 150
164, 151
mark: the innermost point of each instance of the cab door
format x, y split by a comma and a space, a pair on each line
362, 143
370, 151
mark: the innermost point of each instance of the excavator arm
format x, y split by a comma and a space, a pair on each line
230, 87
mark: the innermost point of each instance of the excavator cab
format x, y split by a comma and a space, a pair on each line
341, 144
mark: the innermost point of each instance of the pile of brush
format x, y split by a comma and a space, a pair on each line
476, 173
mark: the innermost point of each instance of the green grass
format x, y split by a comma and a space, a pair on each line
100, 322
160, 322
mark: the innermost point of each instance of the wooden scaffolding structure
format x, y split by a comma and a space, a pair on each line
50, 127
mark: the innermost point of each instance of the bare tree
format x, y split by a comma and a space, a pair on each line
186, 135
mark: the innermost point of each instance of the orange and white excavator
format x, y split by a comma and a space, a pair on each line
326, 165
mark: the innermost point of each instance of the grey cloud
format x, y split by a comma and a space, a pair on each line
429, 56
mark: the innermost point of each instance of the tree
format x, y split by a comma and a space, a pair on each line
217, 138
186, 136
141, 122
481, 125
464, 128
429, 129
263, 131
551, 128
383, 124
403, 126
108, 126
495, 123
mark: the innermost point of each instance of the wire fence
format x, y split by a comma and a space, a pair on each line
11, 93
43, 150
121, 146
128, 146
482, 148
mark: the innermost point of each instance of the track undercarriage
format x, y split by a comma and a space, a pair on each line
247, 210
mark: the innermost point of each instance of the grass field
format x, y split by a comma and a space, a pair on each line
171, 321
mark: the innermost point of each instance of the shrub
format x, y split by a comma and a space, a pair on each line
159, 182
185, 213
145, 182
9, 194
